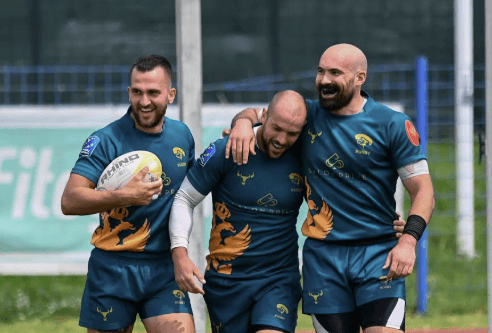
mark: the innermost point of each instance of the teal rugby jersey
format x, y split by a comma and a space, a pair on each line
350, 164
255, 211
138, 228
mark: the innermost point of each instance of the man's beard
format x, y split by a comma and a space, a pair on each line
267, 147
158, 116
339, 101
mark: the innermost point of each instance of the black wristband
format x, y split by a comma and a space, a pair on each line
415, 226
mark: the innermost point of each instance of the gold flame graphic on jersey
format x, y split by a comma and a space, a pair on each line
317, 226
223, 246
120, 237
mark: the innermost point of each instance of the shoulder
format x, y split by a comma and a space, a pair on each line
215, 151
178, 129
313, 107
177, 125
384, 114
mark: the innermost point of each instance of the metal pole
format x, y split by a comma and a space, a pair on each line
488, 147
463, 69
190, 97
421, 106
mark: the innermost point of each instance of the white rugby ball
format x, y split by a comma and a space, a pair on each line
123, 168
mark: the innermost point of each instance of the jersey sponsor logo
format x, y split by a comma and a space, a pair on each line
267, 200
412, 134
206, 155
226, 244
89, 145
314, 135
166, 181
116, 234
315, 297
180, 296
104, 314
334, 162
244, 178
363, 140
319, 222
282, 309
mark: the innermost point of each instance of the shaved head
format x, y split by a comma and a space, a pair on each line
349, 55
290, 101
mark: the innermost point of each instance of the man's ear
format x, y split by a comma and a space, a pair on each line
361, 78
264, 113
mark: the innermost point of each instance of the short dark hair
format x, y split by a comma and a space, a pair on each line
149, 62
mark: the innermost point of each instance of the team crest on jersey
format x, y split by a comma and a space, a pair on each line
412, 134
180, 296
316, 296
206, 155
314, 135
179, 152
216, 327
385, 282
282, 309
364, 141
244, 178
104, 314
89, 145
296, 178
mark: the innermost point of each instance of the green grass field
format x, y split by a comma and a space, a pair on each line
457, 286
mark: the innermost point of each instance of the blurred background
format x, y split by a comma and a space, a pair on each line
64, 70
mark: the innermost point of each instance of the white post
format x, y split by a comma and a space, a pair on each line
190, 90
463, 36
488, 147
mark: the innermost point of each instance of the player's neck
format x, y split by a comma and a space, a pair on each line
259, 141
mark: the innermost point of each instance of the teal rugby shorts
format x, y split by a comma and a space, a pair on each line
338, 278
237, 305
118, 287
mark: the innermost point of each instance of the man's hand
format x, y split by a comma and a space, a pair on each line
241, 142
142, 191
185, 270
399, 225
401, 258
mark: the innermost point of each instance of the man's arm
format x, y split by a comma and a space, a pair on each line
180, 225
242, 140
401, 259
81, 198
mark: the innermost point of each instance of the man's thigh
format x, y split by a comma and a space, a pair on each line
170, 323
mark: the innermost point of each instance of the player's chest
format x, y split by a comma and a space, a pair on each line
344, 146
280, 187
